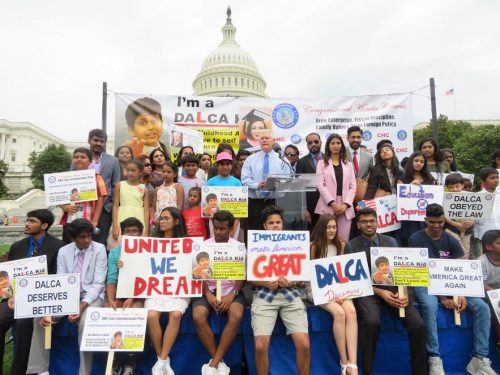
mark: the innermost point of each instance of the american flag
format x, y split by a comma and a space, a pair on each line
369, 203
450, 92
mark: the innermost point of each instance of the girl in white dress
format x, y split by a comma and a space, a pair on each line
171, 226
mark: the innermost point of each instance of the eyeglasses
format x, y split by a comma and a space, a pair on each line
147, 165
290, 154
363, 222
316, 142
132, 232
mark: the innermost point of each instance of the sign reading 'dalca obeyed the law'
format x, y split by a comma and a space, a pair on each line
155, 267
272, 254
467, 205
344, 276
412, 200
456, 277
110, 330
400, 266
48, 295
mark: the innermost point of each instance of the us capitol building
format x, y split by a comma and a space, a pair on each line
226, 71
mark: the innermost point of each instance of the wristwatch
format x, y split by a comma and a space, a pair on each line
236, 292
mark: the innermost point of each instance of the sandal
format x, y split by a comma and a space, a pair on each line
351, 365
343, 368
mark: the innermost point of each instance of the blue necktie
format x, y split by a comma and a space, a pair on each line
265, 173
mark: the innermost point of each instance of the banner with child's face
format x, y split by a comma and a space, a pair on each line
146, 122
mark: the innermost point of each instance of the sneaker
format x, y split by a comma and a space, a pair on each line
128, 371
169, 370
223, 368
480, 366
116, 371
436, 366
207, 370
160, 368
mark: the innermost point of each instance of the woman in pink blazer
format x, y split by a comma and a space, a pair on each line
337, 185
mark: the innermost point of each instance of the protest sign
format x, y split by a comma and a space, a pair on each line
494, 296
400, 266
344, 276
117, 330
456, 277
272, 254
182, 136
441, 177
9, 271
228, 198
219, 261
155, 267
235, 120
70, 187
412, 200
386, 209
47, 295
466, 205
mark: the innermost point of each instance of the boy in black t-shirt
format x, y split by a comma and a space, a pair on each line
442, 245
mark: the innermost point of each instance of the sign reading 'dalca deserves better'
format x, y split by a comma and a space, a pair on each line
9, 271
272, 254
48, 295
412, 200
110, 330
155, 267
70, 187
219, 261
399, 266
467, 205
456, 277
344, 276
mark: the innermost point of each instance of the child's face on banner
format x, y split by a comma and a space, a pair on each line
148, 128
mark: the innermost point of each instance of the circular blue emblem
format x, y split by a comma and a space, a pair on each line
367, 135
285, 116
423, 252
374, 251
41, 259
296, 139
402, 135
95, 315
244, 189
206, 189
422, 204
432, 264
449, 196
489, 197
52, 179
473, 266
494, 294
23, 282
71, 279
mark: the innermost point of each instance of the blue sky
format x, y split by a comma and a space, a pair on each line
55, 54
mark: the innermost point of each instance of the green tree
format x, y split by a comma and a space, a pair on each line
449, 131
51, 160
475, 148
3, 171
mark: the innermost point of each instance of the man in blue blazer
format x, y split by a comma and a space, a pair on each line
38, 243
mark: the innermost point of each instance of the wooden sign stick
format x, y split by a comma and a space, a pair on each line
109, 363
458, 320
401, 292
48, 335
218, 291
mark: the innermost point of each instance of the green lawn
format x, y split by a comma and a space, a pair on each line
4, 249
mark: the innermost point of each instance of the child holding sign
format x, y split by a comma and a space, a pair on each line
278, 297
490, 261
325, 242
171, 226
442, 245
231, 302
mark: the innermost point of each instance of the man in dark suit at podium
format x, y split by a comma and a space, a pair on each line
307, 164
38, 242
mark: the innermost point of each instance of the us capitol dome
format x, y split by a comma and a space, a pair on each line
229, 70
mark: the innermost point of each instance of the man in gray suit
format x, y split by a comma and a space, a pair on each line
89, 259
109, 168
357, 154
